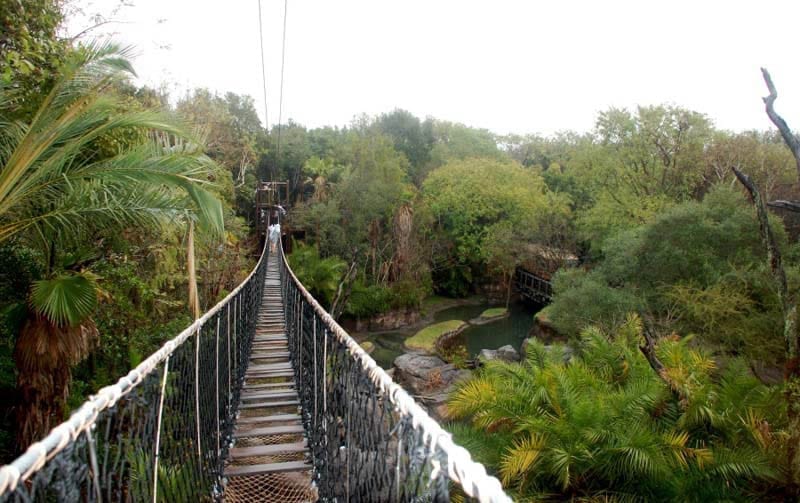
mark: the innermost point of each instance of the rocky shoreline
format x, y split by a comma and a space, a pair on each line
404, 320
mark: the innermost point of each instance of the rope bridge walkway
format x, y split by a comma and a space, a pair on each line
264, 398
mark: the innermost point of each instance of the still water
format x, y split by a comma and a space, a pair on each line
511, 330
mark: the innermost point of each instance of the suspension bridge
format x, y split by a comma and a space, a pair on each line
263, 398
532, 286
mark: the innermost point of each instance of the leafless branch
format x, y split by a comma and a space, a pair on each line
785, 205
789, 137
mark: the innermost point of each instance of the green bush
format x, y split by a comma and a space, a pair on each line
607, 427
583, 299
371, 300
368, 301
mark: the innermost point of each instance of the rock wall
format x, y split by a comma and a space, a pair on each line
390, 320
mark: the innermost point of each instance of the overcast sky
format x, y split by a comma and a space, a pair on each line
524, 66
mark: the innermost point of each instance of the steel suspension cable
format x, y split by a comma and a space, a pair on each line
263, 66
283, 66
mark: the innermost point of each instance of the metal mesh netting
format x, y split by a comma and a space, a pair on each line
363, 446
167, 434
277, 487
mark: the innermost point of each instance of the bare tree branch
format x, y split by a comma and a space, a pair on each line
648, 349
785, 205
789, 137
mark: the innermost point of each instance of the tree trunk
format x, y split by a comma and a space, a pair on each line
508, 278
44, 356
194, 299
790, 334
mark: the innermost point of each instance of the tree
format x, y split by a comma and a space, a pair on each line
788, 300
30, 52
688, 259
234, 139
641, 164
659, 150
482, 206
408, 137
55, 192
453, 141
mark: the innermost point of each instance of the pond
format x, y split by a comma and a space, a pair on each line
511, 330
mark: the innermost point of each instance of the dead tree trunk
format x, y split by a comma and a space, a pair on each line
790, 335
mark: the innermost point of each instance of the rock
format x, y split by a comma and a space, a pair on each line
523, 350
490, 315
390, 373
390, 320
426, 374
506, 353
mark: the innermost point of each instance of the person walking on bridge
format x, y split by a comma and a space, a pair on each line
274, 236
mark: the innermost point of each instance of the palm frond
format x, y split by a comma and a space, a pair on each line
65, 300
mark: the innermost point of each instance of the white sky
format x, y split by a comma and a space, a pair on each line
505, 65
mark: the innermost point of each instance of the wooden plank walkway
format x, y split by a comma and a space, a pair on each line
269, 460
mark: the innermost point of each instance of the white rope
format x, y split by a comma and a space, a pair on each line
216, 384
197, 395
158, 429
471, 476
314, 335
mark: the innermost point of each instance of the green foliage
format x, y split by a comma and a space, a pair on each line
320, 276
605, 424
30, 51
368, 301
234, 140
53, 191
454, 141
66, 299
698, 267
494, 312
486, 213
582, 299
410, 138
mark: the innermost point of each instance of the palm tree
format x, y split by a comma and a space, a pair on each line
605, 426
56, 190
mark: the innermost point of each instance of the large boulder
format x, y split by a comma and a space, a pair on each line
506, 353
426, 374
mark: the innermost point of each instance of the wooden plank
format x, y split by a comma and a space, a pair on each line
269, 366
292, 466
269, 394
270, 355
270, 430
267, 450
268, 419
266, 375
287, 384
267, 405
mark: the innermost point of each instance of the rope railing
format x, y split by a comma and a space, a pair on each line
162, 432
369, 440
